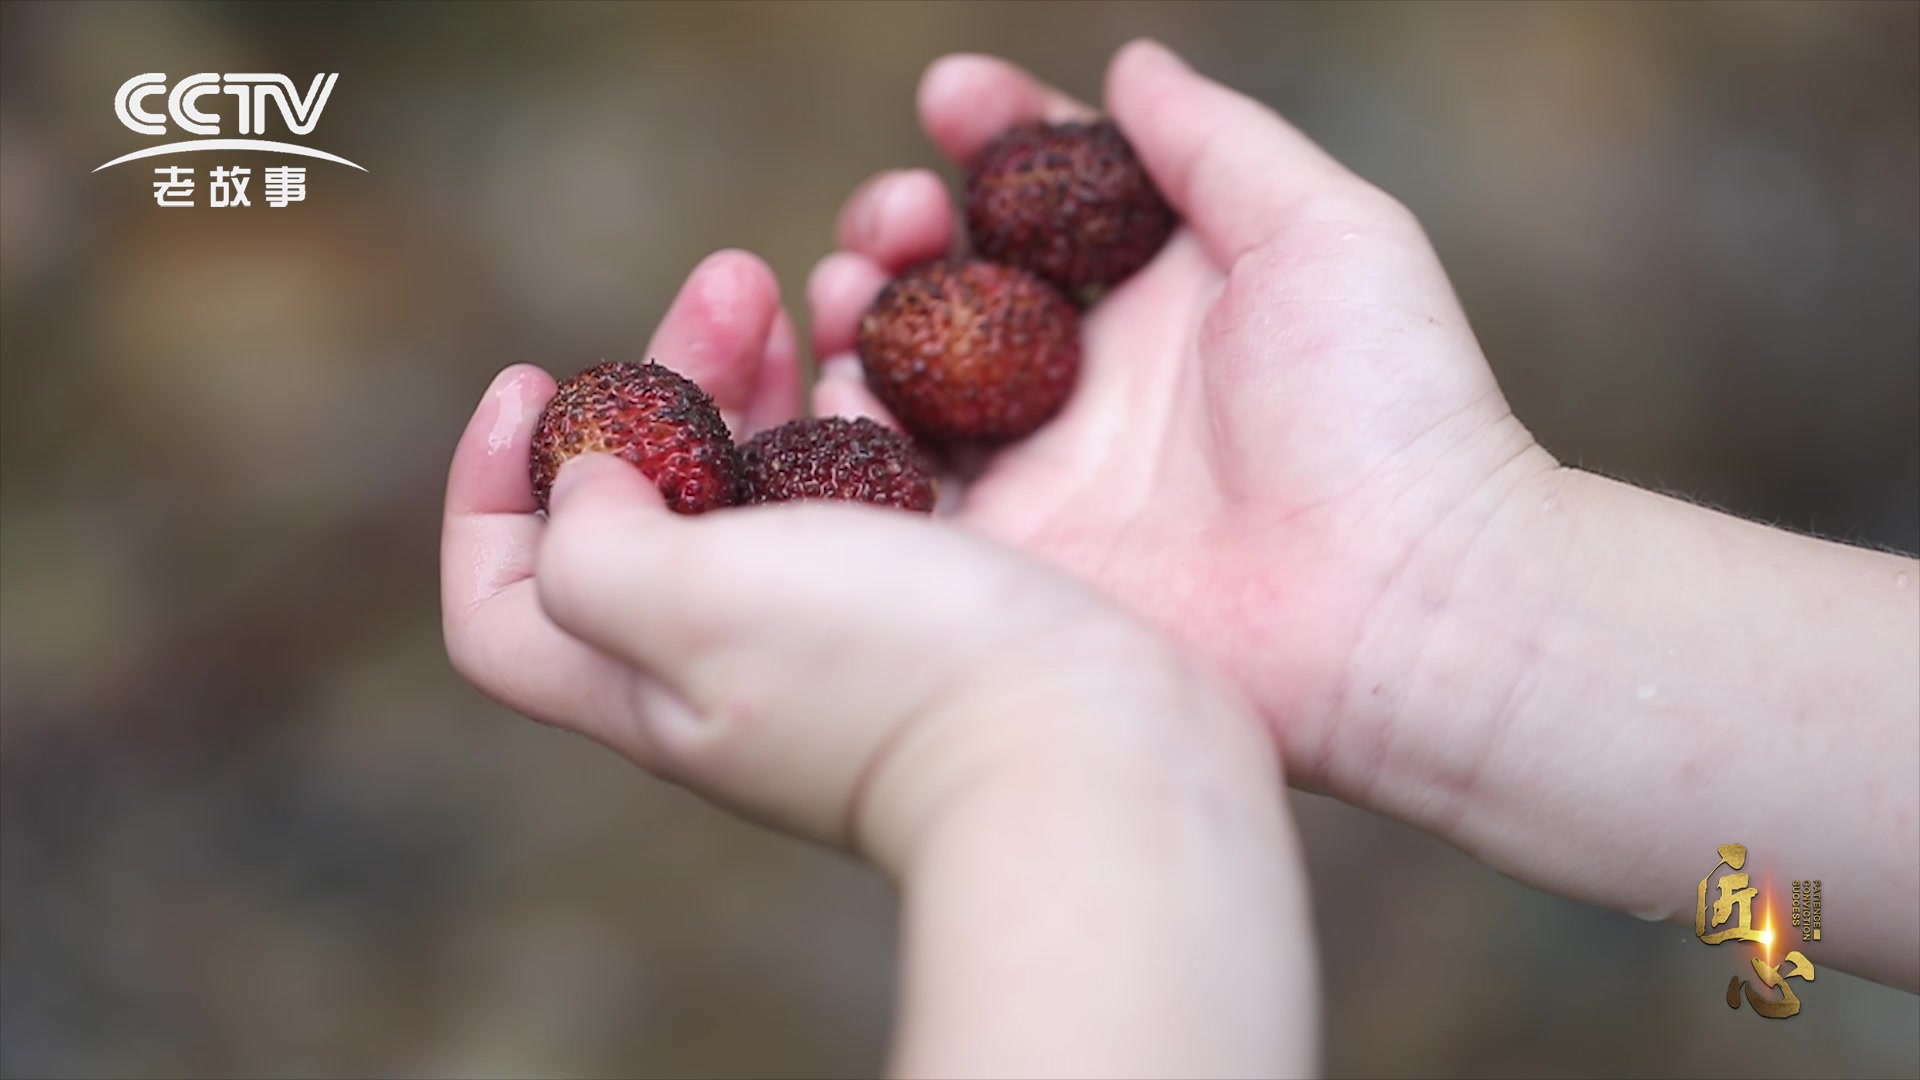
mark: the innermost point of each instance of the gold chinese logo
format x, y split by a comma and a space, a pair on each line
1732, 920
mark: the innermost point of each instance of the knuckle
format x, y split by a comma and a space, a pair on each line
1358, 205
1394, 215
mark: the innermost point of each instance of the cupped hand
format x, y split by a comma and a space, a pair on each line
847, 673
1285, 437
724, 331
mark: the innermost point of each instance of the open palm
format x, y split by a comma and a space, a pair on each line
1284, 432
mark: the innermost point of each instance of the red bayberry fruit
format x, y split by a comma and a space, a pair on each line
836, 458
965, 349
1070, 202
647, 415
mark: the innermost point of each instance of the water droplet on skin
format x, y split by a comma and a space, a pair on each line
1550, 503
1901, 580
507, 420
1647, 691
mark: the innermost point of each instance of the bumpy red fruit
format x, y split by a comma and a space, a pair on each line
836, 458
970, 350
1070, 202
648, 415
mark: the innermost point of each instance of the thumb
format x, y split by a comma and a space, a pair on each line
1232, 168
798, 636
606, 475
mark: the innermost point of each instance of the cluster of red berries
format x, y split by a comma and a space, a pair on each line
980, 349
988, 348
666, 425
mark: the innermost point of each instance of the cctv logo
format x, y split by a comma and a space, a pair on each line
254, 94
251, 90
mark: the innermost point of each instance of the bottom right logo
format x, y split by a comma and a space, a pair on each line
1732, 919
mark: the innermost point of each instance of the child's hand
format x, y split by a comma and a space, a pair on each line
1089, 829
1288, 449
841, 672
1284, 426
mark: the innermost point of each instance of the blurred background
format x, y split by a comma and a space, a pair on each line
251, 823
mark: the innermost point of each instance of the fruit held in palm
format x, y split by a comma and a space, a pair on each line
647, 415
966, 349
836, 458
1070, 202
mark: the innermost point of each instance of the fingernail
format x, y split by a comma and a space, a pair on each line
872, 217
891, 201
719, 282
1161, 53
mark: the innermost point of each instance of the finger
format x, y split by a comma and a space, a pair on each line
688, 596
496, 634
490, 473
897, 219
966, 100
689, 600
776, 399
778, 666
842, 391
1232, 168
808, 637
839, 292
512, 652
717, 330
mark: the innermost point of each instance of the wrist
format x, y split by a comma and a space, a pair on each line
1103, 715
1452, 643
1618, 681
1107, 884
